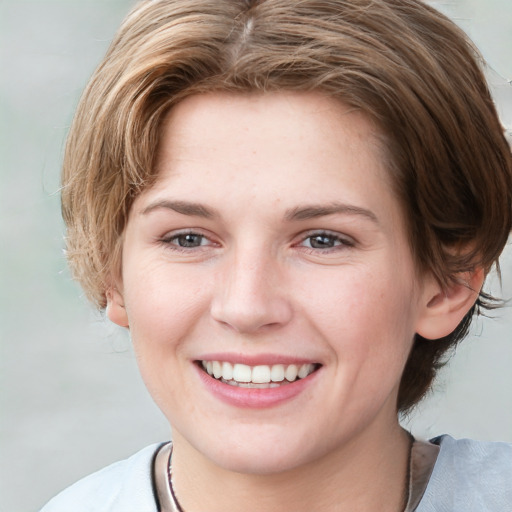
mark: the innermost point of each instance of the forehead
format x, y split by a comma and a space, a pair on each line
237, 131
271, 152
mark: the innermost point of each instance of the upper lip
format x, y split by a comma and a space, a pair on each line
256, 359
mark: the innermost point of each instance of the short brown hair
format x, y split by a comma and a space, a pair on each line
403, 64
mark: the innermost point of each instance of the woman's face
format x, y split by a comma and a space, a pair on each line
271, 244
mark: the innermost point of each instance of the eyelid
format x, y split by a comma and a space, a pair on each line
346, 241
172, 235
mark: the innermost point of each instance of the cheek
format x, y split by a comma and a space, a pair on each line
163, 304
359, 299
165, 309
367, 319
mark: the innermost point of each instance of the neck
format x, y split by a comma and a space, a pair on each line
370, 474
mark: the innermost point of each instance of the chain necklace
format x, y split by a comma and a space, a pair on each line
422, 457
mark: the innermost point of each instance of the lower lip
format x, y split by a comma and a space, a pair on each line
255, 398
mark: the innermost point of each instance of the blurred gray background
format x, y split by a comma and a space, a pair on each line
71, 400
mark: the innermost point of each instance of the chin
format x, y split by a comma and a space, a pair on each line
270, 461
258, 453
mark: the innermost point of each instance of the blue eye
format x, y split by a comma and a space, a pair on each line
190, 240
325, 241
187, 240
322, 241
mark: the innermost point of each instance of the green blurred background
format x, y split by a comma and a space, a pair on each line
71, 400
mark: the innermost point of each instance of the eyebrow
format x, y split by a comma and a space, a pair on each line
313, 211
183, 207
297, 213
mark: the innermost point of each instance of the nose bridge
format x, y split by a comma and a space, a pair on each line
250, 292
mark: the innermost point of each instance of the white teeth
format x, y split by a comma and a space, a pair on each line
252, 385
277, 373
291, 372
242, 373
227, 371
257, 376
261, 374
217, 369
305, 370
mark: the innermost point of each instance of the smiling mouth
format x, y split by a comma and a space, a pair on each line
258, 377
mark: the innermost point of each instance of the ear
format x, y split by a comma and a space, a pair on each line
116, 311
444, 308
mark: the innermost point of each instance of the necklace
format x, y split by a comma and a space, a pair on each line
408, 477
175, 502
164, 492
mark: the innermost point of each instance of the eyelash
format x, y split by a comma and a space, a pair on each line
169, 239
339, 242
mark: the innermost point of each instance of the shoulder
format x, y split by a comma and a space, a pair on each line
469, 476
125, 485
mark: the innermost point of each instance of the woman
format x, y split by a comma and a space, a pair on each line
292, 206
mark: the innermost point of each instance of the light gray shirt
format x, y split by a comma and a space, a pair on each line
468, 476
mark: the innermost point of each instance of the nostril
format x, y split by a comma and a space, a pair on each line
252, 316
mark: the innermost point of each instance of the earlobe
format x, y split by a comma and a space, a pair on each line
444, 308
115, 309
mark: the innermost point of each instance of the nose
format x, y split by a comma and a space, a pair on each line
251, 294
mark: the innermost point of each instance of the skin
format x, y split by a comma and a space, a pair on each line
257, 282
